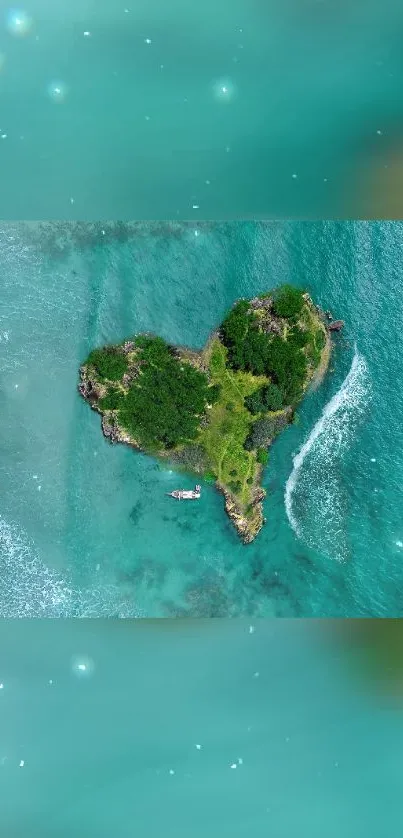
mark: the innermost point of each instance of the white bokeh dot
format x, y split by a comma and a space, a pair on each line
57, 91
224, 90
82, 666
18, 22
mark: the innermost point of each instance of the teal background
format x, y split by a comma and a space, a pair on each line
320, 750
87, 529
313, 85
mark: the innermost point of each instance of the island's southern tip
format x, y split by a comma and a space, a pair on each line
215, 412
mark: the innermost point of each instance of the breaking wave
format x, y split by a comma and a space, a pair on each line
30, 589
315, 500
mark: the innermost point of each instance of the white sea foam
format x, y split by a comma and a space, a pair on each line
313, 493
28, 588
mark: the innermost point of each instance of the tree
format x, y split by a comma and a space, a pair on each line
288, 366
110, 363
263, 399
163, 405
298, 337
255, 403
251, 349
288, 301
272, 397
214, 392
113, 400
263, 432
235, 335
262, 456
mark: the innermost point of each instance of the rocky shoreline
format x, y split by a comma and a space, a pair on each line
249, 527
246, 527
247, 521
92, 391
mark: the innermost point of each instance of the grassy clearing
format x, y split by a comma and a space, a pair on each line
215, 412
311, 322
229, 425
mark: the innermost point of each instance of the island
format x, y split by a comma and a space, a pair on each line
215, 412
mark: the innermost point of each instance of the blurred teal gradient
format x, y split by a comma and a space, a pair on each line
316, 753
243, 108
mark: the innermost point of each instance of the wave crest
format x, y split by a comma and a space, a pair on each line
28, 588
314, 498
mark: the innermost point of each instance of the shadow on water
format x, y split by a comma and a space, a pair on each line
305, 561
147, 573
185, 526
137, 512
58, 238
267, 582
207, 596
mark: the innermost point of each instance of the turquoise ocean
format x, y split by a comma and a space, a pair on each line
86, 527
100, 723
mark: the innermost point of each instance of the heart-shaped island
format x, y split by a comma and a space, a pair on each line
215, 412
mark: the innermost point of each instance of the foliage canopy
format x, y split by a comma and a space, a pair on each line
278, 357
110, 363
264, 399
221, 422
288, 301
163, 405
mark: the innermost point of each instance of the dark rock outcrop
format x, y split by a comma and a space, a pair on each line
110, 430
88, 389
249, 525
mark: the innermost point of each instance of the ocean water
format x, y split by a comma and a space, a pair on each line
243, 108
111, 749
86, 527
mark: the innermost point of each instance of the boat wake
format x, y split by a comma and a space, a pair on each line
315, 500
28, 588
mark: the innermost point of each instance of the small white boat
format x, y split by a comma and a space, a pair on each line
184, 494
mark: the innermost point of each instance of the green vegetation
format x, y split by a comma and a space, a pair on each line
113, 400
320, 339
248, 348
190, 457
163, 404
110, 363
262, 456
229, 424
263, 431
278, 357
288, 367
215, 412
298, 337
315, 345
264, 399
288, 301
